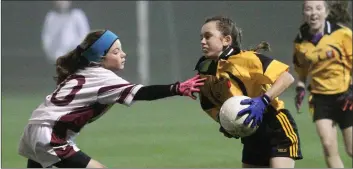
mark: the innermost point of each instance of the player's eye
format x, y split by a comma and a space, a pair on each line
208, 36
307, 9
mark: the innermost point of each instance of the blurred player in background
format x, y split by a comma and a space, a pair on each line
87, 88
64, 28
231, 71
323, 50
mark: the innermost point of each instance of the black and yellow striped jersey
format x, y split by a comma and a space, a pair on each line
250, 74
328, 61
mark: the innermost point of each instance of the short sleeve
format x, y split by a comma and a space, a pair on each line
301, 67
266, 70
117, 90
347, 42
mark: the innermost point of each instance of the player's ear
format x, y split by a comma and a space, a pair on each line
227, 40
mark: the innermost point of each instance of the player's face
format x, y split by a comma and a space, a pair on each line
212, 40
315, 14
62, 5
115, 57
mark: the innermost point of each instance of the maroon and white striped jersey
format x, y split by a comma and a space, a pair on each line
84, 97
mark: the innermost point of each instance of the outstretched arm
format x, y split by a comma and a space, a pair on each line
155, 92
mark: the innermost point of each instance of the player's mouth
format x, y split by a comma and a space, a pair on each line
314, 20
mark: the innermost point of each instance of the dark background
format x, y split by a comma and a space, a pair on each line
25, 68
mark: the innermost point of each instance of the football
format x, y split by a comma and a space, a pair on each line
231, 122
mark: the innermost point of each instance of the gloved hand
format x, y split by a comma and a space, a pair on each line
255, 110
188, 87
299, 97
226, 134
347, 99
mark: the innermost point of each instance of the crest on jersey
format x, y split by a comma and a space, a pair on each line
330, 54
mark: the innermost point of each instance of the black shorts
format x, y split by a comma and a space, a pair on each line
77, 160
277, 136
328, 107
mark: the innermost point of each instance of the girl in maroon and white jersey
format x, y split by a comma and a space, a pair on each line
86, 88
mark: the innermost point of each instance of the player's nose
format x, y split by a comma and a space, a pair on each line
123, 54
203, 41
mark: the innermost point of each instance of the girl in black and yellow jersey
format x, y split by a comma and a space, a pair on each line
231, 71
323, 50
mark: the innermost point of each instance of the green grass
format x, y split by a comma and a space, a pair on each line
171, 133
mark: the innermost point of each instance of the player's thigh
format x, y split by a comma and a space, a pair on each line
95, 164
282, 162
327, 130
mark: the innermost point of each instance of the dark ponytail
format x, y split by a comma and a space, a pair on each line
68, 64
262, 46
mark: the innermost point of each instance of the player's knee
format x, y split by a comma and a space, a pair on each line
329, 147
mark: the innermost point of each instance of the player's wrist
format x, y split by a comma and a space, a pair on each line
266, 99
300, 89
174, 88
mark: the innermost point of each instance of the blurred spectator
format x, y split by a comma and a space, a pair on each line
64, 28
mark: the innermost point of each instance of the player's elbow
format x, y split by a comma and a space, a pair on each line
286, 79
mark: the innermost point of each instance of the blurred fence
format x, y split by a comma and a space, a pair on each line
25, 70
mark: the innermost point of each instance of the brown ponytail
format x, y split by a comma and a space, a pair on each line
262, 46
339, 12
71, 62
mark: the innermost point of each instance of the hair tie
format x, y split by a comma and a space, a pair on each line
79, 49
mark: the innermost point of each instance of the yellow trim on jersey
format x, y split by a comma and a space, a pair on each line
288, 129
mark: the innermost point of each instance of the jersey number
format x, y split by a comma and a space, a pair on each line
70, 97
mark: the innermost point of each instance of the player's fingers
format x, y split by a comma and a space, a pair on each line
260, 120
244, 111
200, 80
253, 124
198, 84
195, 77
345, 105
248, 119
351, 107
246, 101
193, 95
190, 94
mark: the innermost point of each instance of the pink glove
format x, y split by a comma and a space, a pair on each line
299, 97
188, 87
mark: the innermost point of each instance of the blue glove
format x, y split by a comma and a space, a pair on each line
255, 110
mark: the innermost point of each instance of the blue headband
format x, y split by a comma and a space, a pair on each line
100, 47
